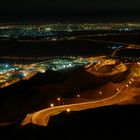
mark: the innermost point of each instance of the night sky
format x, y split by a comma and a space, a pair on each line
22, 9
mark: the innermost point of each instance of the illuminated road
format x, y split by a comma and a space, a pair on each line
42, 117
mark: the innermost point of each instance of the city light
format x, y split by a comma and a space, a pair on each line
48, 29
24, 74
78, 95
117, 89
6, 65
67, 68
42, 71
68, 110
100, 92
51, 104
8, 74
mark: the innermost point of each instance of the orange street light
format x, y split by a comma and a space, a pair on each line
117, 89
127, 86
68, 110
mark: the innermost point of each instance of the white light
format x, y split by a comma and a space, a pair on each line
6, 65
58, 99
78, 95
130, 82
24, 74
64, 66
127, 86
43, 71
132, 79
54, 39
52, 105
70, 65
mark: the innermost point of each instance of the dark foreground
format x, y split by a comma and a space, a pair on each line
114, 122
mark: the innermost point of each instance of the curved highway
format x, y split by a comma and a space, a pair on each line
42, 117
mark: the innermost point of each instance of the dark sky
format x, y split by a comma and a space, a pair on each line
69, 8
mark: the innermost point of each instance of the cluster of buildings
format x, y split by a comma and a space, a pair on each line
12, 73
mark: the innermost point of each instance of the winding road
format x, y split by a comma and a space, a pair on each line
41, 117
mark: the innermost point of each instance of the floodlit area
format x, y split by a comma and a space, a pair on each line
11, 73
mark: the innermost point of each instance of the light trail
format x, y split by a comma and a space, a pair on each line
42, 117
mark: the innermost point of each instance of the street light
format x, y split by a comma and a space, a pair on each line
59, 100
127, 86
78, 95
51, 104
68, 110
100, 92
